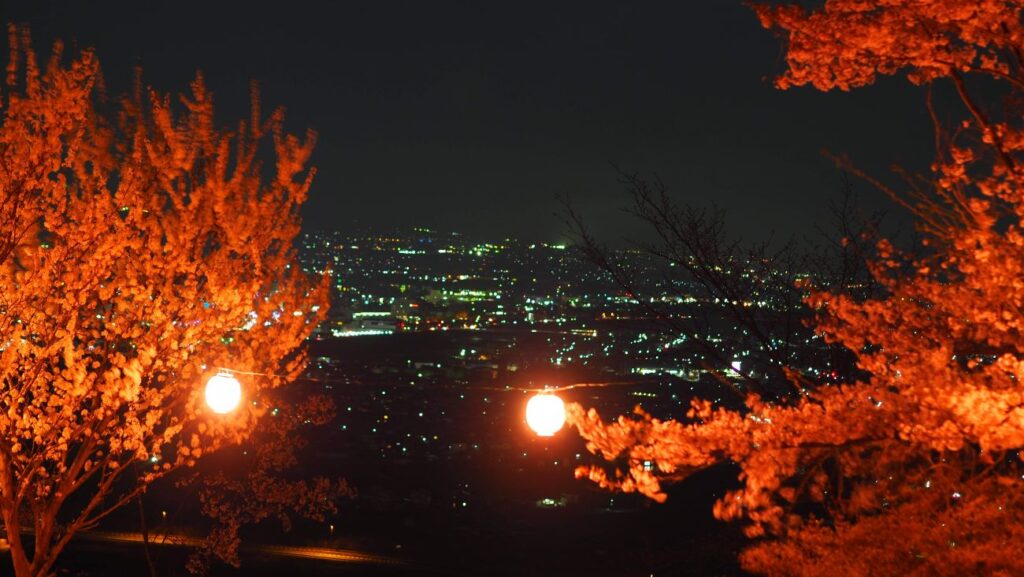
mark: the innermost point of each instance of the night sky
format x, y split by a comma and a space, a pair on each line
473, 116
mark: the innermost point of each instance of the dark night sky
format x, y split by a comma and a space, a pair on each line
473, 116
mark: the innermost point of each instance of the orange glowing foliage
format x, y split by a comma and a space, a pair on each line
914, 469
848, 43
141, 247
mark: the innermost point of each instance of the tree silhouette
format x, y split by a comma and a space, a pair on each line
915, 467
141, 248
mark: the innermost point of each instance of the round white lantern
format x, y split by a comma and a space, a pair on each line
545, 414
223, 392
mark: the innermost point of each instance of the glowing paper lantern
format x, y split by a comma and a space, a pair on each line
545, 414
223, 392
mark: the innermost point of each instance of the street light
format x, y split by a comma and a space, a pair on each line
545, 414
223, 392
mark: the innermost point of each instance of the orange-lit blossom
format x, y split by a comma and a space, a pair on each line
141, 247
914, 469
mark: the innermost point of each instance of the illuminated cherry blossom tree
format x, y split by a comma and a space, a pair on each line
141, 248
914, 469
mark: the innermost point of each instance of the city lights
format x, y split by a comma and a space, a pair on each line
223, 392
545, 414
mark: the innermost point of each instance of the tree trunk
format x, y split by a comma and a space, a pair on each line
22, 566
145, 536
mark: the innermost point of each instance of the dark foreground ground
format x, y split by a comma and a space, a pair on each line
677, 538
